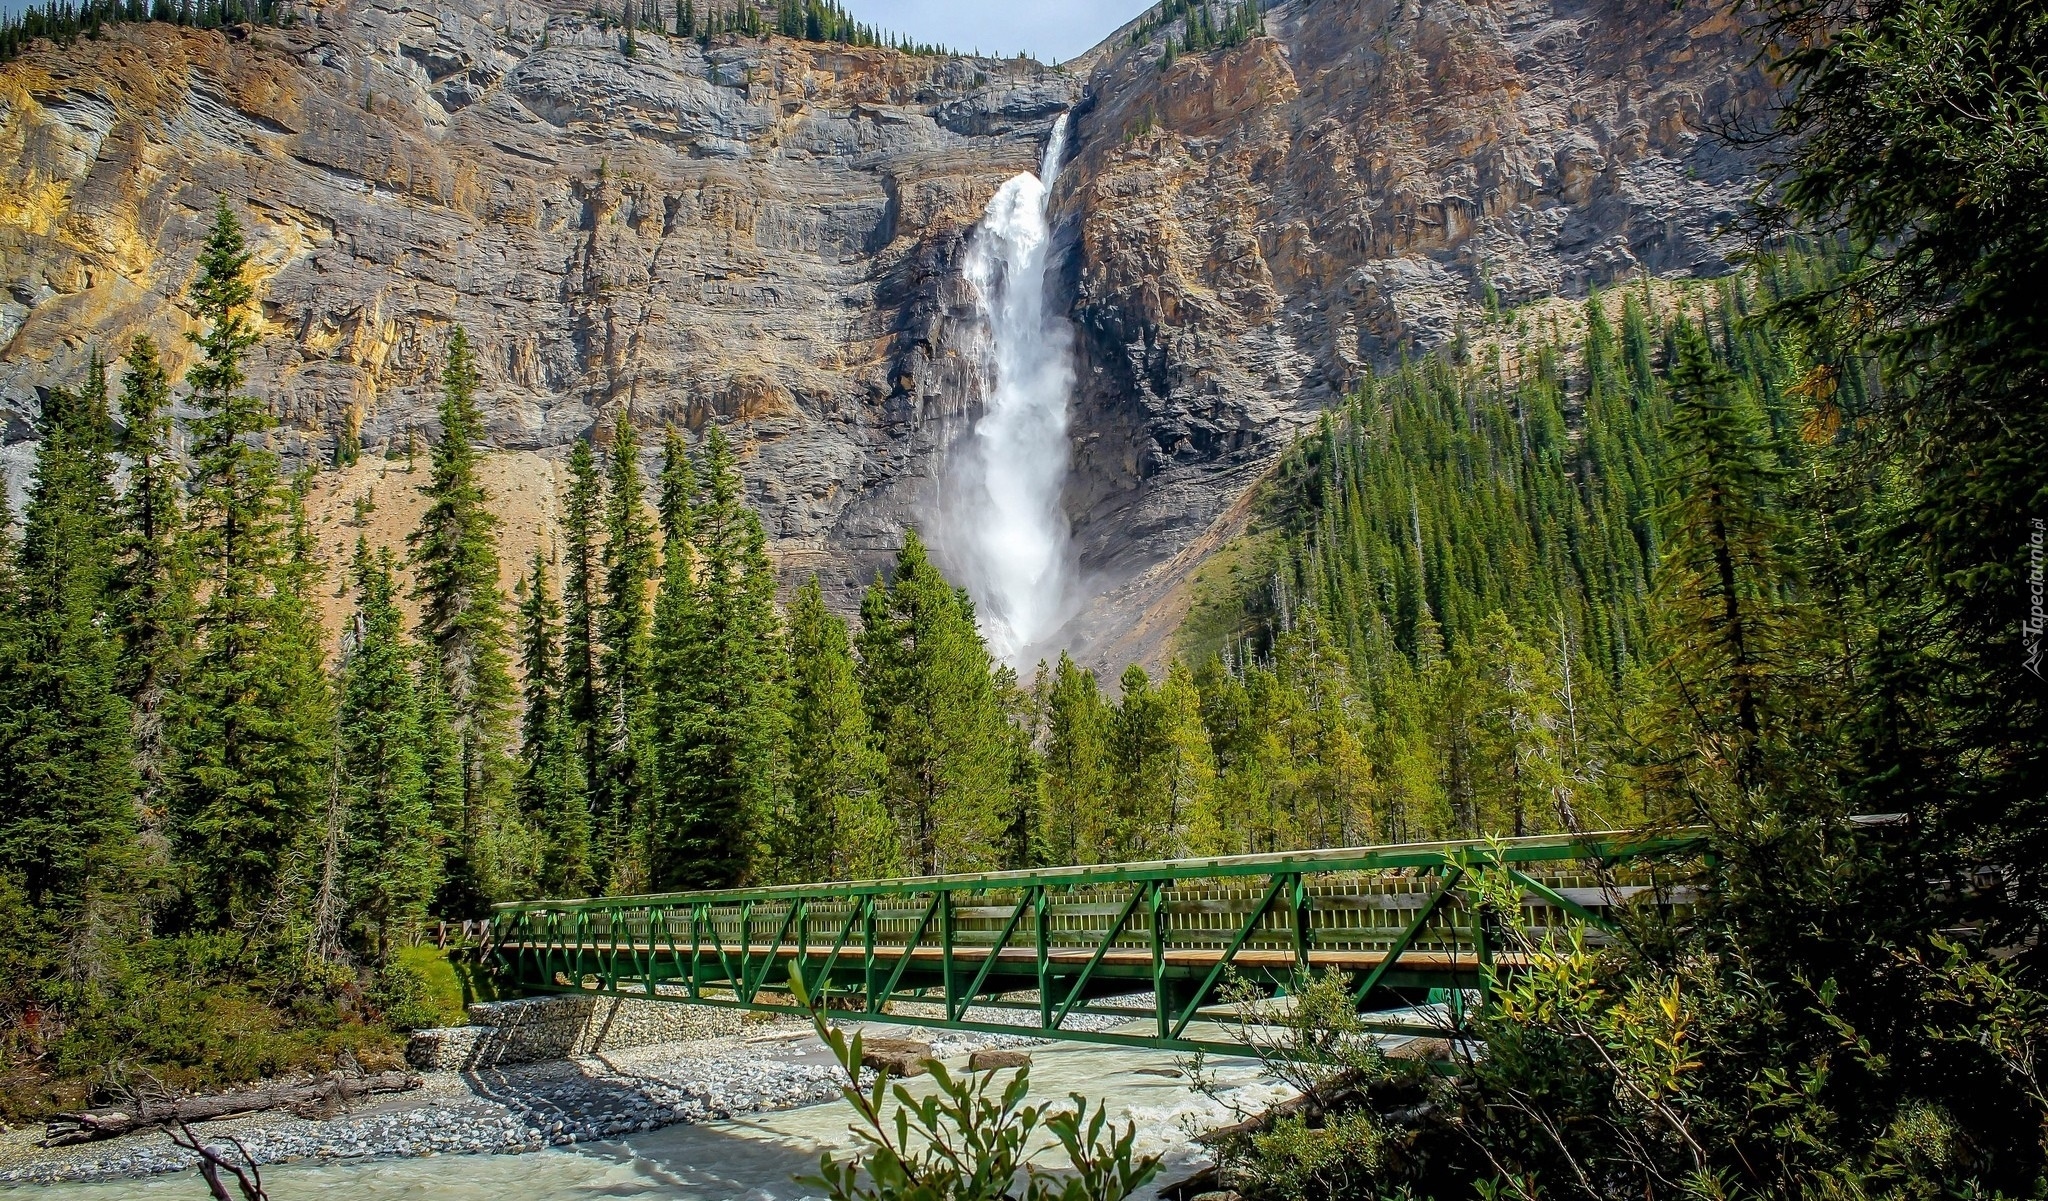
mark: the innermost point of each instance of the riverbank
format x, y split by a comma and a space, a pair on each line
510, 1109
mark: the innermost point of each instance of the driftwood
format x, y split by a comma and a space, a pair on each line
306, 1096
248, 1179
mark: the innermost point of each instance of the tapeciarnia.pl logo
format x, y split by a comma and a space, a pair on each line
2037, 612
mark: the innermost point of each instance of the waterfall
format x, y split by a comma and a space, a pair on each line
1009, 536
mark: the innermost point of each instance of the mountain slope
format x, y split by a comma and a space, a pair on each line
1256, 228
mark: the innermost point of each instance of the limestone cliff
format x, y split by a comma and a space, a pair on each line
766, 233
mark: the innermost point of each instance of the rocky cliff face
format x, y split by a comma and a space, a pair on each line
761, 233
1254, 229
767, 233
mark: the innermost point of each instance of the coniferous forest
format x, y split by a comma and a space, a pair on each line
1758, 554
63, 21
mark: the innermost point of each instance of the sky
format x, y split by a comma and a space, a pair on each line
1051, 30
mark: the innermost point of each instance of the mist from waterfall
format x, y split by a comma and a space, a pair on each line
1008, 535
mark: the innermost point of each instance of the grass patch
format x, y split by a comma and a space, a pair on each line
1220, 588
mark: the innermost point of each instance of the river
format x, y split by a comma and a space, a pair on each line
754, 1158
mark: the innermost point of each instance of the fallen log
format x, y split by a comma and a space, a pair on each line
313, 1096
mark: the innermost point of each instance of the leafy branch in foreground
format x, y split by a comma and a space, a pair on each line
962, 1144
1344, 1132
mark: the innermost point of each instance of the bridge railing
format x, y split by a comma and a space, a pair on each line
957, 951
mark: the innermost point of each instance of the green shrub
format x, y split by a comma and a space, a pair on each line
417, 989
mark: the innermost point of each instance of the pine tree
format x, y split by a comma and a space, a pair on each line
837, 828
1332, 793
1077, 756
721, 669
462, 628
1238, 710
252, 722
1136, 751
1187, 762
152, 605
931, 697
67, 822
551, 792
390, 859
624, 770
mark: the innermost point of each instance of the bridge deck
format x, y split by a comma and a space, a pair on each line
1396, 921
1023, 958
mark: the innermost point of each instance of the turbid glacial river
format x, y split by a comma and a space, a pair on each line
745, 1159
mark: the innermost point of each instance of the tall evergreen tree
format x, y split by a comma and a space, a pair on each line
152, 606
1719, 585
1523, 786
625, 763
1077, 758
253, 718
931, 697
551, 790
390, 858
67, 821
441, 765
463, 623
583, 605
836, 827
721, 669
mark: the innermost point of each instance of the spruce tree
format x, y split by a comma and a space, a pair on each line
624, 770
837, 828
582, 602
390, 859
551, 791
931, 696
253, 719
152, 604
441, 764
676, 623
67, 821
1719, 584
720, 665
462, 628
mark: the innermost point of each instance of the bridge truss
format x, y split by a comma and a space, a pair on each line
970, 952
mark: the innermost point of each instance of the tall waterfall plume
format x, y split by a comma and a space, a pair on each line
1008, 535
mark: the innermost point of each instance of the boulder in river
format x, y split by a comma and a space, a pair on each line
995, 1060
895, 1056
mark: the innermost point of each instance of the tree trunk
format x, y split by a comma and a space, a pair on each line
306, 1097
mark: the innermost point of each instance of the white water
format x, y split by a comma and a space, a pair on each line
1007, 534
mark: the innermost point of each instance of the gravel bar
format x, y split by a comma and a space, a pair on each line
526, 1107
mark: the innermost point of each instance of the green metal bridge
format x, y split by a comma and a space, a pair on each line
965, 952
